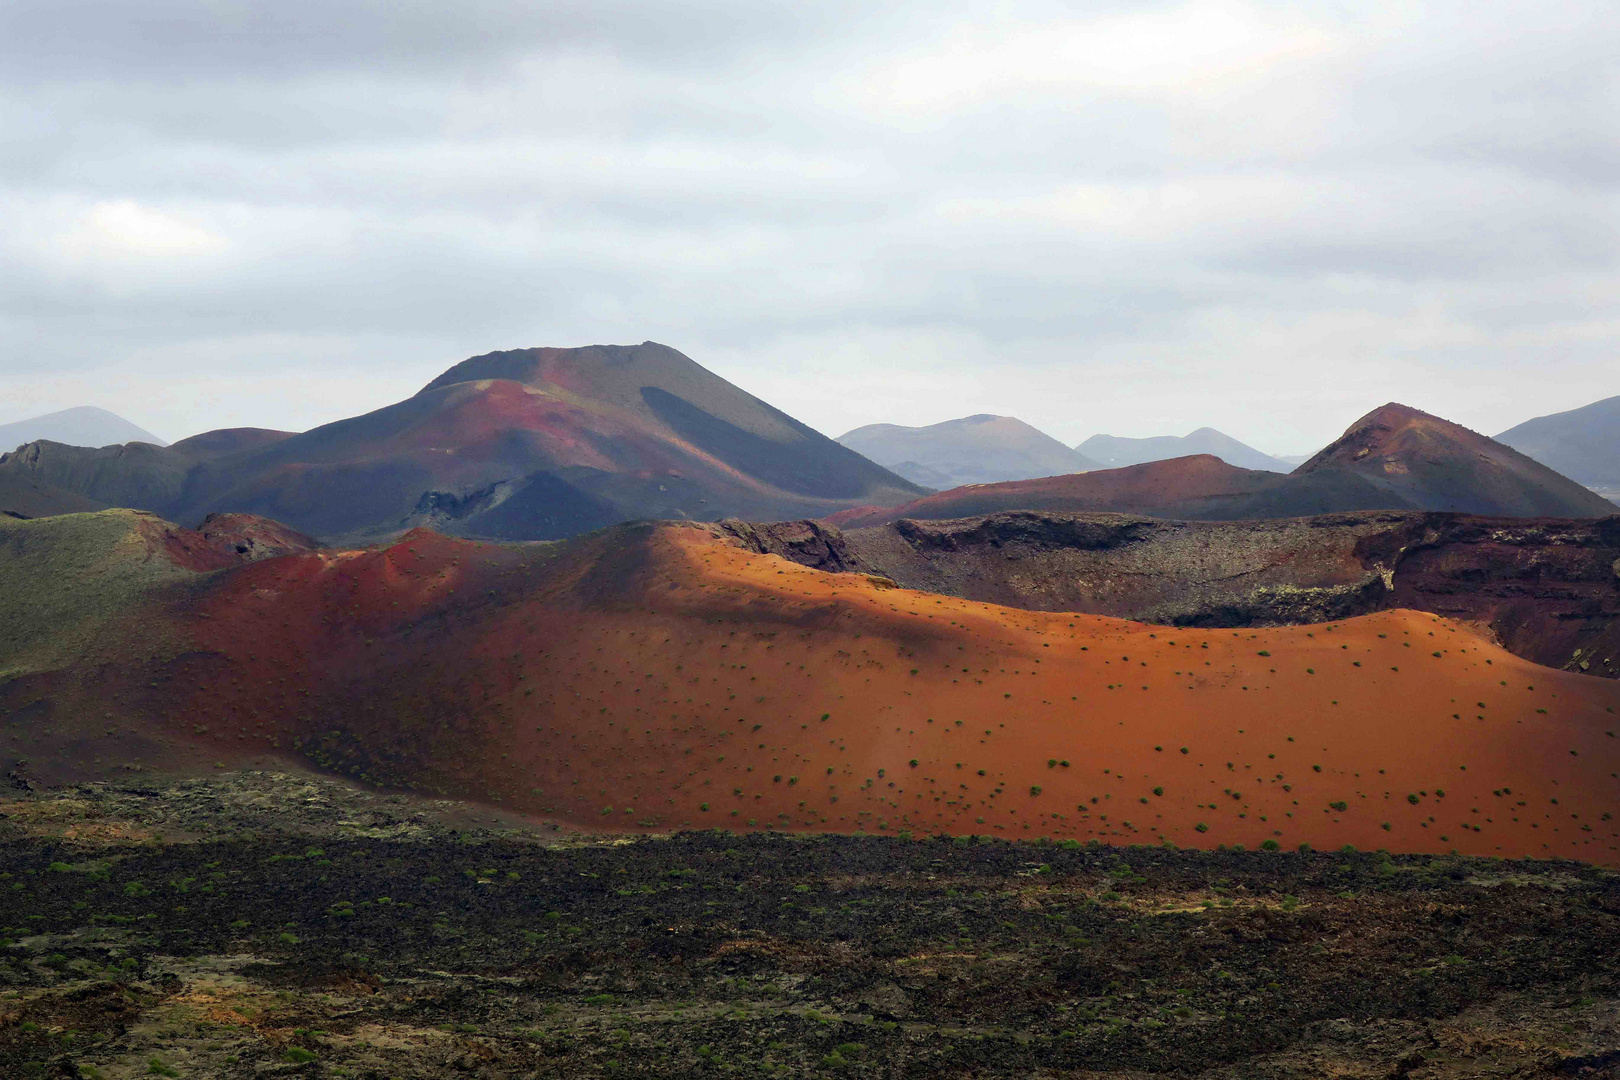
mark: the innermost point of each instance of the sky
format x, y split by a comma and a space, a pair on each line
1136, 219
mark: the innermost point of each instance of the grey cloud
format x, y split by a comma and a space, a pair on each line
179, 40
1435, 187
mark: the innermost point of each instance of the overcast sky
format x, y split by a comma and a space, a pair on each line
1127, 218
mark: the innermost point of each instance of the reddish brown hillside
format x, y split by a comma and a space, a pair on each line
662, 677
522, 445
1174, 484
1422, 461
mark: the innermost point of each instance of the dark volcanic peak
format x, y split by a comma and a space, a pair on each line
1415, 459
532, 444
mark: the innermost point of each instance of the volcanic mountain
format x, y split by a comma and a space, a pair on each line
1412, 459
530, 444
1583, 444
982, 449
1394, 458
1115, 452
658, 676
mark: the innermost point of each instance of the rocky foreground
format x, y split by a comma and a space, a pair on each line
269, 924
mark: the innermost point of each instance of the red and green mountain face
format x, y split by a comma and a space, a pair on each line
526, 444
663, 676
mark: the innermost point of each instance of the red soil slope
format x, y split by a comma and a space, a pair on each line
659, 677
1136, 489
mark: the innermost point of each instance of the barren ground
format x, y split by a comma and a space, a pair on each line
267, 924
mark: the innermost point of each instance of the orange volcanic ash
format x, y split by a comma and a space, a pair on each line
655, 677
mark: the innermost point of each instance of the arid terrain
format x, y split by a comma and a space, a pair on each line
664, 677
719, 799
1547, 590
278, 924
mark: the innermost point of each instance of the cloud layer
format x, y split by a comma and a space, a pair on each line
1130, 218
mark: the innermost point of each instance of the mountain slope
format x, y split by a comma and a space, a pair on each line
1199, 485
1413, 459
84, 425
1394, 458
526, 444
1115, 452
982, 449
223, 442
25, 497
1583, 444
660, 676
136, 475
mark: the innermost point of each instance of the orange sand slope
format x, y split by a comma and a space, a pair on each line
656, 677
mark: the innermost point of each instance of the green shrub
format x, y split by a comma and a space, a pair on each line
298, 1055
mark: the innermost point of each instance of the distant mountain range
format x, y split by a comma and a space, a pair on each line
1394, 458
526, 444
537, 444
982, 449
83, 425
1115, 452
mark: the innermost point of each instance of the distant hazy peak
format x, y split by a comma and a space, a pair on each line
1583, 443
977, 449
1118, 452
82, 425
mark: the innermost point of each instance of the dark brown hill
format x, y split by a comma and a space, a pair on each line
1180, 487
527, 444
224, 442
1418, 460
